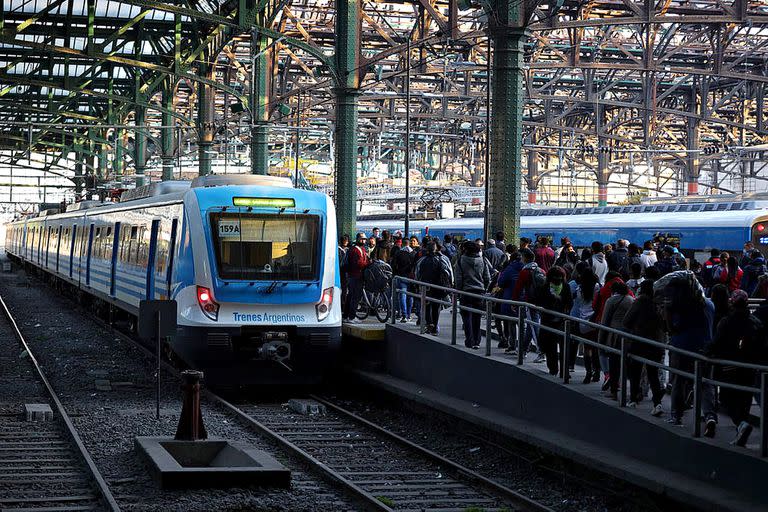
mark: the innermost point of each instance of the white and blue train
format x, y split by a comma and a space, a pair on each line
250, 260
698, 226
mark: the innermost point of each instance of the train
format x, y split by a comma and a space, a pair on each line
250, 260
699, 227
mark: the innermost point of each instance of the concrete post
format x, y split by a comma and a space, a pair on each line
167, 133
261, 77
205, 123
140, 146
347, 57
503, 208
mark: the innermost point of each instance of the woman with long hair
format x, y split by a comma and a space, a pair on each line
586, 289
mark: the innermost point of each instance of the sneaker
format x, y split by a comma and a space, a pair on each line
540, 358
611, 395
403, 320
710, 428
587, 379
355, 321
632, 405
657, 410
606, 383
511, 352
675, 421
503, 344
596, 376
742, 434
475, 347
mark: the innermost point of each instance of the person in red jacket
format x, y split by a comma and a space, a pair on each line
598, 305
729, 273
357, 260
545, 256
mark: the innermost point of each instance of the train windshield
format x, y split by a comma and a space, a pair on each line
266, 247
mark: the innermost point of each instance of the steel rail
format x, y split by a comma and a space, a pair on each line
97, 476
526, 502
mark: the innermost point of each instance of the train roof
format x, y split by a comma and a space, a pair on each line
662, 220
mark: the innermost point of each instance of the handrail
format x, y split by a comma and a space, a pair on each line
700, 361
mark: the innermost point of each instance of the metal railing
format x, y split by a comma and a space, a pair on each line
703, 366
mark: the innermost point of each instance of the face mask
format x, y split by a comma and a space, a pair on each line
556, 288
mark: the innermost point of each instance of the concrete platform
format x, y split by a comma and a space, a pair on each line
573, 420
210, 463
369, 330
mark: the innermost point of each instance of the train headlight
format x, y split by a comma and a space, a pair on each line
323, 308
209, 306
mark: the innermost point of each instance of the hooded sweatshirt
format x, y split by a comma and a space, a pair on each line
599, 267
648, 258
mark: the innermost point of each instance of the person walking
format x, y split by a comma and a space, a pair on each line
434, 268
643, 320
494, 255
648, 257
528, 288
556, 296
473, 275
402, 266
567, 258
752, 272
586, 289
342, 256
357, 261
506, 282
545, 256
500, 243
599, 265
616, 309
618, 260
707, 274
383, 248
740, 337
729, 273
667, 264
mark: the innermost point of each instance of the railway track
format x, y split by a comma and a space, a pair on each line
381, 469
44, 466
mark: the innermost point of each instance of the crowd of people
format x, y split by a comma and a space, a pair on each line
632, 288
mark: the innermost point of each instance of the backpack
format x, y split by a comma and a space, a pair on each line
343, 260
377, 276
538, 282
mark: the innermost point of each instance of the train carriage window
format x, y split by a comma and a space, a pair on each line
267, 247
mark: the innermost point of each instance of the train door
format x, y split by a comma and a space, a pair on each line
171, 253
72, 249
150, 289
113, 259
47, 244
88, 256
59, 234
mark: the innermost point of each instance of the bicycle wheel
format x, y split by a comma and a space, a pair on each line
363, 307
381, 306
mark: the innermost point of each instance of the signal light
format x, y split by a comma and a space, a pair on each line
323, 308
209, 306
761, 227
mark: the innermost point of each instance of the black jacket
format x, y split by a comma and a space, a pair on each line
740, 336
644, 320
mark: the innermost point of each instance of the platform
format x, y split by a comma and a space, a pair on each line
573, 420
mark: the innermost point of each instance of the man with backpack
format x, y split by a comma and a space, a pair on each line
473, 275
708, 270
402, 266
449, 248
618, 260
434, 268
357, 261
529, 287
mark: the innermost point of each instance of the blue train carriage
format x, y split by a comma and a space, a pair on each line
698, 228
250, 260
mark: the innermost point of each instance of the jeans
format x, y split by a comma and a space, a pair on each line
635, 372
433, 315
680, 387
471, 321
404, 302
354, 294
531, 328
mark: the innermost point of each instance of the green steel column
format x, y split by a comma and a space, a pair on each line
205, 124
167, 133
348, 27
78, 178
140, 146
507, 85
117, 163
260, 97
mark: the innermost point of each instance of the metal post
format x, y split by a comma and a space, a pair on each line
298, 141
394, 295
407, 225
423, 308
454, 313
764, 414
623, 373
487, 155
697, 381
260, 90
159, 361
565, 372
521, 328
488, 325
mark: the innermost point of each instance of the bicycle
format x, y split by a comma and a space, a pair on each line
377, 301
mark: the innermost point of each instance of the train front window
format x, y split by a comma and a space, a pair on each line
266, 247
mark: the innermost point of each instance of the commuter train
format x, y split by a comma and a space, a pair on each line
698, 226
250, 260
